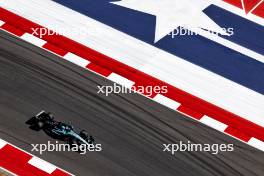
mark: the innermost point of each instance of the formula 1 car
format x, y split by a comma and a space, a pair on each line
58, 130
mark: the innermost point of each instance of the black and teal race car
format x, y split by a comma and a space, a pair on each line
59, 130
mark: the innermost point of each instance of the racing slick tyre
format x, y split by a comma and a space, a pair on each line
50, 116
73, 142
46, 117
90, 140
37, 125
84, 134
31, 121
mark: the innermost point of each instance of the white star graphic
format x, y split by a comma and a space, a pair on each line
171, 14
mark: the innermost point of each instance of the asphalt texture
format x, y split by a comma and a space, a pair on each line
130, 127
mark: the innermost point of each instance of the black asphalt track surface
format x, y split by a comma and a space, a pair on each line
130, 127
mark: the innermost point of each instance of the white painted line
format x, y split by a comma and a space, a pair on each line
213, 123
34, 161
76, 59
41, 164
256, 143
1, 23
234, 46
2, 143
166, 101
239, 11
121, 80
11, 173
243, 5
34, 40
135, 53
257, 5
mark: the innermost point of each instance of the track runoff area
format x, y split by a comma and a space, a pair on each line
119, 79
138, 136
216, 117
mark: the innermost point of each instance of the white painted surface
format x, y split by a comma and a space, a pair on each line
35, 161
34, 40
144, 57
234, 46
213, 123
238, 11
121, 80
1, 23
166, 101
256, 6
76, 59
169, 15
172, 10
256, 143
41, 164
2, 143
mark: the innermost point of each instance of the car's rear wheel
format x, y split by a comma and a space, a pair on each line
47, 117
50, 116
84, 134
31, 121
73, 142
40, 125
37, 125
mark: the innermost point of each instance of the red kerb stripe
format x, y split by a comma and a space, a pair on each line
102, 61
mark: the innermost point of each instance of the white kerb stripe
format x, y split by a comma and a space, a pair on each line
121, 80
34, 40
2, 143
135, 53
256, 143
213, 123
1, 23
76, 59
41, 164
166, 101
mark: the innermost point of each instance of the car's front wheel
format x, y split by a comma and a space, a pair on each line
37, 125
